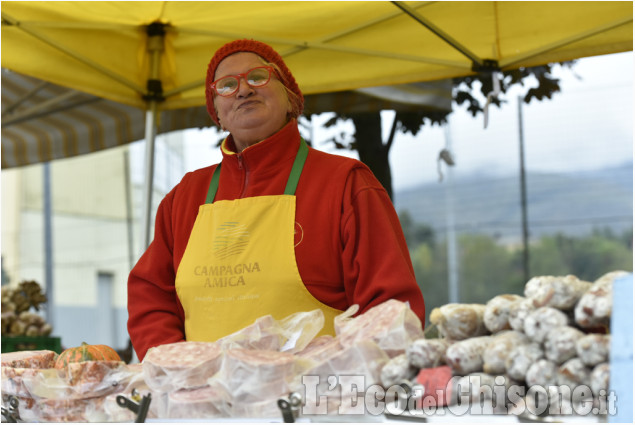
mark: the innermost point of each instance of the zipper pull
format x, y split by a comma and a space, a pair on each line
239, 157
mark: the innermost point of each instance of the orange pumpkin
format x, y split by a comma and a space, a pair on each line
84, 353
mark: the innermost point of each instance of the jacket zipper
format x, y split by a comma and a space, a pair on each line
242, 166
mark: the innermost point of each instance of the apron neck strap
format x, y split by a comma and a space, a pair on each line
292, 182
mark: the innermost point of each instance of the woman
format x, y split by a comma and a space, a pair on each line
277, 229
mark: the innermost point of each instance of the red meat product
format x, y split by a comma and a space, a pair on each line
180, 365
540, 321
466, 356
365, 359
427, 353
321, 348
520, 358
459, 321
40, 359
391, 324
593, 349
13, 380
498, 349
73, 410
561, 292
256, 375
260, 335
197, 403
95, 378
497, 310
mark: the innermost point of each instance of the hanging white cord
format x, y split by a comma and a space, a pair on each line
496, 89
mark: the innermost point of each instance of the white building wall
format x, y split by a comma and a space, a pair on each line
89, 232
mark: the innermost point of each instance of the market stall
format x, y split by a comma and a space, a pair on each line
541, 356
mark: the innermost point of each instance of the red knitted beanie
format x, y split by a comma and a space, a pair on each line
264, 51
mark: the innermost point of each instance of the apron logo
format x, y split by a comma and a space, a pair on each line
231, 239
298, 234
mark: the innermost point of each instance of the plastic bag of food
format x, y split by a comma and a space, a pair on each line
181, 365
391, 324
291, 334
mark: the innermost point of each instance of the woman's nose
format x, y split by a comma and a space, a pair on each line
244, 89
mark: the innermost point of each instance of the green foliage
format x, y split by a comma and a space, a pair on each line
587, 258
415, 233
487, 268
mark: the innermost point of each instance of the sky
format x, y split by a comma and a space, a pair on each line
587, 125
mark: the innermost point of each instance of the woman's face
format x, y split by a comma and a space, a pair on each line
250, 114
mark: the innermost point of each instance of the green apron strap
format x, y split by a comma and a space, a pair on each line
296, 170
213, 186
292, 182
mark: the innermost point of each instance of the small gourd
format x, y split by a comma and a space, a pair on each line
86, 352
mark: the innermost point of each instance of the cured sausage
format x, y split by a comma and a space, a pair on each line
593, 349
497, 351
466, 356
561, 292
560, 343
573, 373
518, 311
599, 379
540, 321
397, 370
594, 308
496, 315
426, 353
521, 357
459, 321
543, 372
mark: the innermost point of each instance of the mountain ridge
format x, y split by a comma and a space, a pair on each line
571, 203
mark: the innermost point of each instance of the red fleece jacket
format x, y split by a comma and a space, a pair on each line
352, 251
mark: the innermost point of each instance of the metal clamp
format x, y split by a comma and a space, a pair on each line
12, 414
140, 405
290, 407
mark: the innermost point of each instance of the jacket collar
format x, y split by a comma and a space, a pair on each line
271, 151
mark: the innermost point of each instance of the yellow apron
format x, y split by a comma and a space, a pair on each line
239, 263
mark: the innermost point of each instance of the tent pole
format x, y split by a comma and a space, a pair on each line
150, 137
523, 191
156, 35
47, 212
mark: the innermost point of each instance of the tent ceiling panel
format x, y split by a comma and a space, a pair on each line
329, 45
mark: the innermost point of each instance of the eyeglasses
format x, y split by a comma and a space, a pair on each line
255, 77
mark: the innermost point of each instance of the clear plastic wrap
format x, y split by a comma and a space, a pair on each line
291, 334
79, 380
210, 401
363, 359
391, 324
181, 365
80, 392
256, 375
38, 359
